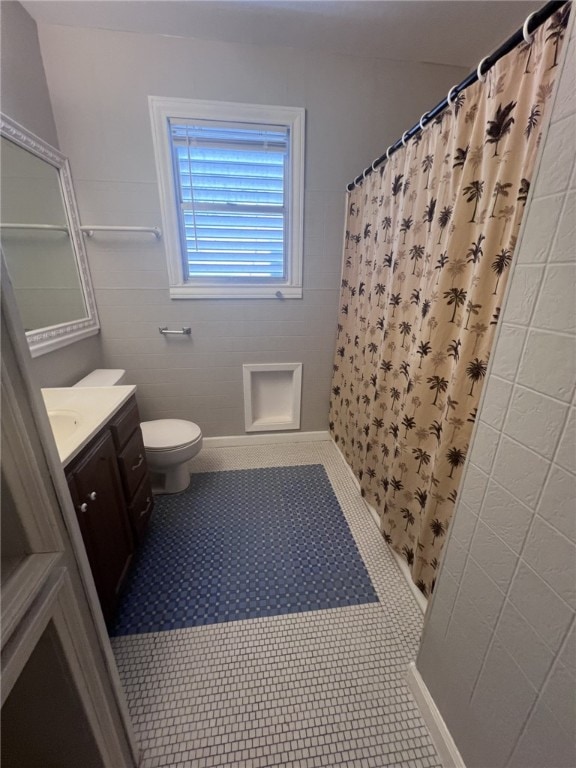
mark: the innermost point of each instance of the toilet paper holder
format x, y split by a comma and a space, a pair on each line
183, 332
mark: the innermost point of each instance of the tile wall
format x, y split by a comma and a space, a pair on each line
99, 81
499, 647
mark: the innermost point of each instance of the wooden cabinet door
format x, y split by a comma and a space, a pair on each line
97, 495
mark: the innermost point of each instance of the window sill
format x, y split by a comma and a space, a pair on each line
236, 292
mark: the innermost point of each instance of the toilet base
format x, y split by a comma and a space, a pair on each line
175, 480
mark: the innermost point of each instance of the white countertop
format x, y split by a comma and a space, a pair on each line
78, 413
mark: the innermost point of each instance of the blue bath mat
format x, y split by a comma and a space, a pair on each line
243, 544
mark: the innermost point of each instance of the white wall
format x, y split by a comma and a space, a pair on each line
24, 91
99, 81
498, 652
24, 97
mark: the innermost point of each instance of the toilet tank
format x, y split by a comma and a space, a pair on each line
103, 377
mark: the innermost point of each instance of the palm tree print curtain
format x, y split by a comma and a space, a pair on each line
429, 243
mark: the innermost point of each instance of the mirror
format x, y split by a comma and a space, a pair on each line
41, 261
42, 243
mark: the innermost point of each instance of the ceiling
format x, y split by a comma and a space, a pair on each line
456, 32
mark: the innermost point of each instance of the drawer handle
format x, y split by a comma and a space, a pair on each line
146, 508
92, 496
83, 507
138, 463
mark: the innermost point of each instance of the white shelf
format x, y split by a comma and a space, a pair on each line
272, 395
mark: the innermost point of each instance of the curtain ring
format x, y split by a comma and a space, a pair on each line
364, 172
388, 152
374, 166
421, 121
403, 139
528, 37
482, 77
450, 103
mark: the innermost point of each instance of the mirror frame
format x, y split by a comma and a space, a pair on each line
43, 340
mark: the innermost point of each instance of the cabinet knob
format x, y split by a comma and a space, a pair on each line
83, 507
138, 463
92, 496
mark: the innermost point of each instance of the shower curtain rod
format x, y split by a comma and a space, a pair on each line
531, 24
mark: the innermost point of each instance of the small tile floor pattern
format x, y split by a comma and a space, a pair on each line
242, 544
319, 688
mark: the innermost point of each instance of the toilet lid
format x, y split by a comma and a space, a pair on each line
169, 433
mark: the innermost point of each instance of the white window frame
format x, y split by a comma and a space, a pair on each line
161, 110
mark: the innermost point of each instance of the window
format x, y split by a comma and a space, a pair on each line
230, 178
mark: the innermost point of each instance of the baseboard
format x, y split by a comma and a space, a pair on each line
270, 438
447, 750
405, 571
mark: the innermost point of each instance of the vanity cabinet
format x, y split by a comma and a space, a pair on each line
127, 435
96, 491
111, 492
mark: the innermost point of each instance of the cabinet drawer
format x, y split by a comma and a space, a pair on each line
141, 509
132, 463
124, 423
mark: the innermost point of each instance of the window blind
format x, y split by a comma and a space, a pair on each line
232, 196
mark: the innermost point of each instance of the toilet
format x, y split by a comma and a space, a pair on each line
170, 443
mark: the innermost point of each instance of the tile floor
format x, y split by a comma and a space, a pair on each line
319, 688
242, 544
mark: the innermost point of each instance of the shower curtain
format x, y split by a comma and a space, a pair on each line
429, 242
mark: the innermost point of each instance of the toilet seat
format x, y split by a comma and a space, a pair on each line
153, 451
169, 434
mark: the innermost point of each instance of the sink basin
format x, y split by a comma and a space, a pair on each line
77, 414
64, 423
